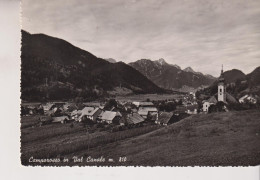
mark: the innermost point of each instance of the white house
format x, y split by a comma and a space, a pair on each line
208, 103
192, 109
248, 98
90, 112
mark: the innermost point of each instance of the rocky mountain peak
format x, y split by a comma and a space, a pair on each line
161, 61
189, 69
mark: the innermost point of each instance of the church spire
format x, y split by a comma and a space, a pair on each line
221, 78
221, 87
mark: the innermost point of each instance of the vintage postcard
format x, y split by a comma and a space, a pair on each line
140, 83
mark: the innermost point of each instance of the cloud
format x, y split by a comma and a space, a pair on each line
202, 34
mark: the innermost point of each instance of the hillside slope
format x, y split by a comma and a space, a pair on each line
55, 69
234, 75
237, 83
226, 139
170, 76
253, 77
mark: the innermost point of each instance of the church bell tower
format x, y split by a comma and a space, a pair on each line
221, 87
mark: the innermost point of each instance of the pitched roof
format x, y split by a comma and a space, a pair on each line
75, 112
47, 106
66, 106
108, 115
72, 107
134, 118
118, 114
244, 97
212, 99
149, 109
123, 119
60, 118
88, 111
230, 98
143, 112
164, 117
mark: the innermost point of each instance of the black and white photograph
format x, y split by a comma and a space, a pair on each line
140, 83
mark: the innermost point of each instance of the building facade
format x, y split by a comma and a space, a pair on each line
221, 87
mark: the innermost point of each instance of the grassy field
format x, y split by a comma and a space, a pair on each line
226, 139
56, 140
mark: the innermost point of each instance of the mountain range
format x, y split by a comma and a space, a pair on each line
111, 60
170, 76
55, 69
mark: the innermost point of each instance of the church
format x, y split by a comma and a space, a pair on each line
221, 96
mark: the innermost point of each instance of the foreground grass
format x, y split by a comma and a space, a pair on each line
226, 139
68, 141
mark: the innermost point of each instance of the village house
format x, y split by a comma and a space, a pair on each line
75, 114
193, 95
60, 119
66, 106
32, 109
248, 99
128, 106
91, 113
134, 119
109, 117
207, 103
164, 118
146, 111
192, 109
58, 111
48, 107
186, 109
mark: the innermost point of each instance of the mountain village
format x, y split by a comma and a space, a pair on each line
119, 115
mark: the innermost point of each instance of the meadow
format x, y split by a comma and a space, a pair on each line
217, 139
55, 140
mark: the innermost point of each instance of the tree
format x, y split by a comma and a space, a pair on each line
219, 107
111, 103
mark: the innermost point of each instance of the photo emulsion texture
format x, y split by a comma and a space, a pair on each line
140, 83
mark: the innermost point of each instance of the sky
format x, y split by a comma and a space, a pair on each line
202, 34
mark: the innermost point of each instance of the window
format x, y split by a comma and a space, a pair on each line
220, 90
